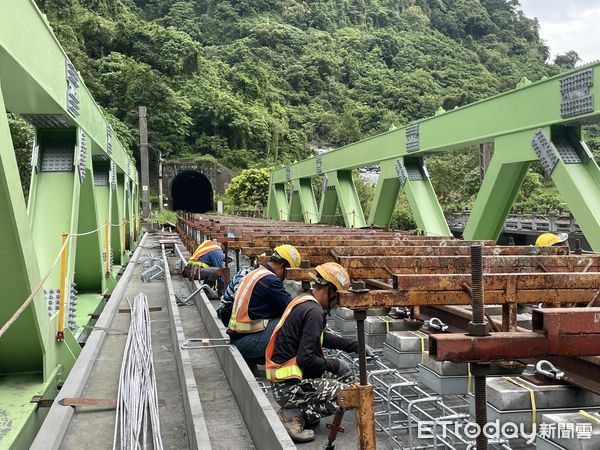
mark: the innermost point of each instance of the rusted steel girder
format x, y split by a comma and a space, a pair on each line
319, 255
362, 267
556, 332
500, 289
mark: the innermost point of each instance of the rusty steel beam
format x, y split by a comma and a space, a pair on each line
556, 332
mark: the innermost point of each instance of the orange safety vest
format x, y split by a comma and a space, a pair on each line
203, 249
289, 369
240, 322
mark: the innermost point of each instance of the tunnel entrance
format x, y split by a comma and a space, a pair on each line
192, 191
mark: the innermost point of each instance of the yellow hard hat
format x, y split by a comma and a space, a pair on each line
290, 254
334, 274
548, 239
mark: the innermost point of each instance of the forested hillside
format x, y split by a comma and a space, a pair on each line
264, 79
250, 81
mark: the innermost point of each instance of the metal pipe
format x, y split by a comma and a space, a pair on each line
360, 316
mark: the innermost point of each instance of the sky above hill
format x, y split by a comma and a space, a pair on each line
568, 25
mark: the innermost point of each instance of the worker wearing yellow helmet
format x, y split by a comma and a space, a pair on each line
260, 299
549, 239
300, 374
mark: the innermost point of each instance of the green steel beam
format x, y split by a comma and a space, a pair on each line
295, 211
23, 347
32, 61
423, 202
525, 108
329, 202
501, 184
347, 198
66, 195
385, 196
277, 204
308, 204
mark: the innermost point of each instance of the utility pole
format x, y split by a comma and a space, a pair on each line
144, 161
160, 178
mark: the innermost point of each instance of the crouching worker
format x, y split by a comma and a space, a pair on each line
206, 264
301, 377
260, 300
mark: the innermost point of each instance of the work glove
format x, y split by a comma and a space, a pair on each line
343, 368
370, 351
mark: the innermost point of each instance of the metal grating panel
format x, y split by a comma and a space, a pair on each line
109, 136
567, 152
575, 94
319, 161
414, 172
47, 120
57, 160
100, 177
543, 149
82, 155
401, 172
412, 137
72, 85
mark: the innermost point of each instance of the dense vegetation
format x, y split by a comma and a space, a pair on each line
261, 82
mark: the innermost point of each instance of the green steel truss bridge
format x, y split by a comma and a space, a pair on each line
62, 249
535, 122
83, 182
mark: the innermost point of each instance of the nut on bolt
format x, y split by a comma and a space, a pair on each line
358, 287
478, 329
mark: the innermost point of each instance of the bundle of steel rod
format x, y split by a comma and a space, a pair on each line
137, 401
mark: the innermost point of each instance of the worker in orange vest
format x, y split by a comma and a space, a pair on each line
260, 299
301, 376
208, 254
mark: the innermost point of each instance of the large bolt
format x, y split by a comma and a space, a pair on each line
477, 326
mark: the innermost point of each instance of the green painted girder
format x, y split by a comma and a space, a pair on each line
306, 197
528, 107
23, 347
329, 202
36, 79
385, 196
347, 198
33, 74
277, 204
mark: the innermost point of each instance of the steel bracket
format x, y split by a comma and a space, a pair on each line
543, 148
575, 94
412, 138
72, 85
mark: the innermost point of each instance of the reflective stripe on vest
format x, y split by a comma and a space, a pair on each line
240, 322
289, 369
199, 263
203, 249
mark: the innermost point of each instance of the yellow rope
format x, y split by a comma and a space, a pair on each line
31, 296
421, 336
470, 378
587, 415
531, 395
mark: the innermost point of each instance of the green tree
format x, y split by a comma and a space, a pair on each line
250, 189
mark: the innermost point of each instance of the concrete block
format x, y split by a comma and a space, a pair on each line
383, 324
402, 360
576, 436
374, 340
406, 341
506, 396
347, 313
344, 325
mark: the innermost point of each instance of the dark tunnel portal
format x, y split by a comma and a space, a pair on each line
192, 192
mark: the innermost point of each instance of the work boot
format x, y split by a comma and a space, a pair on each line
295, 428
311, 423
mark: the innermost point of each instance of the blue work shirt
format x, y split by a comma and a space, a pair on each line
268, 300
213, 258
